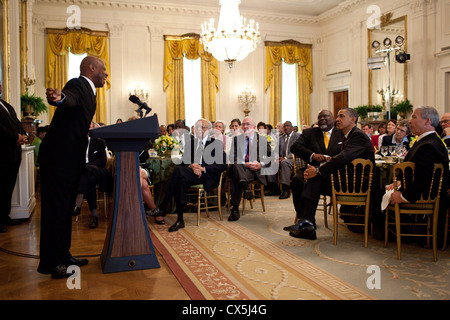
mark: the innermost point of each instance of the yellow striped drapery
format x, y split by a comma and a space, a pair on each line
189, 46
78, 41
289, 52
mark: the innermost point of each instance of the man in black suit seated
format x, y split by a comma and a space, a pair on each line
313, 146
426, 151
203, 161
355, 144
401, 137
94, 174
12, 136
250, 159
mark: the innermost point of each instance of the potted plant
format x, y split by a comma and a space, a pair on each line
402, 108
362, 111
31, 105
375, 111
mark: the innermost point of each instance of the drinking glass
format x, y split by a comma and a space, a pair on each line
384, 151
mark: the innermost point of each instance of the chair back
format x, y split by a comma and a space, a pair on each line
355, 179
404, 178
299, 163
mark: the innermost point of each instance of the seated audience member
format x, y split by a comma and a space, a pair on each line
94, 174
402, 136
313, 145
219, 127
235, 127
170, 129
261, 128
162, 130
285, 158
381, 131
202, 165
445, 128
355, 144
368, 129
427, 150
279, 129
249, 153
390, 130
40, 134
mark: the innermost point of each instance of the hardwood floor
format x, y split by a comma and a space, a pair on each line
20, 281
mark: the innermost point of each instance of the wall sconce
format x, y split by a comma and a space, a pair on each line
140, 92
246, 98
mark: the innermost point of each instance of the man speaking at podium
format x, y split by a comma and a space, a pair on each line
62, 160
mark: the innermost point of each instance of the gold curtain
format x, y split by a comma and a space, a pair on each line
289, 52
78, 41
177, 47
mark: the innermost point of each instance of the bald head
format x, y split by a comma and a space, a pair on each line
95, 69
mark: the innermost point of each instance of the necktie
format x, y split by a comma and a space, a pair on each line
326, 139
287, 145
247, 155
343, 142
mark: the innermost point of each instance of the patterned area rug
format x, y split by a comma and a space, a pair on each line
255, 259
225, 261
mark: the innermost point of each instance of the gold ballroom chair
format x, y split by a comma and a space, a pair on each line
326, 206
257, 189
351, 187
427, 206
203, 199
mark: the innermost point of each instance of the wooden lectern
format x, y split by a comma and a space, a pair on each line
128, 245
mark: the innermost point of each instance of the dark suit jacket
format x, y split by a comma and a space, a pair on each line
425, 153
311, 141
262, 153
357, 145
64, 146
213, 160
10, 127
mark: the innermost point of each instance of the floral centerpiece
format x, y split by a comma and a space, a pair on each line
164, 144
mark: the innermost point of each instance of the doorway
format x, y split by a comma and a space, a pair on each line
340, 101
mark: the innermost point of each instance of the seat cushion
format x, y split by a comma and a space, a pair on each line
351, 198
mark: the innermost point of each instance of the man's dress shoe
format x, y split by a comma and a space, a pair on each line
94, 222
296, 227
234, 215
284, 195
77, 262
57, 272
177, 225
306, 230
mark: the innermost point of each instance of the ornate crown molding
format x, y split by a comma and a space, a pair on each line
195, 10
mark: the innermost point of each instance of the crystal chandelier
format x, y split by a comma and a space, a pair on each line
233, 40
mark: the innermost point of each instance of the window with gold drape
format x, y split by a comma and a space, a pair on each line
177, 47
288, 52
78, 41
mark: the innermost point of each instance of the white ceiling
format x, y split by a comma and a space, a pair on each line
283, 7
